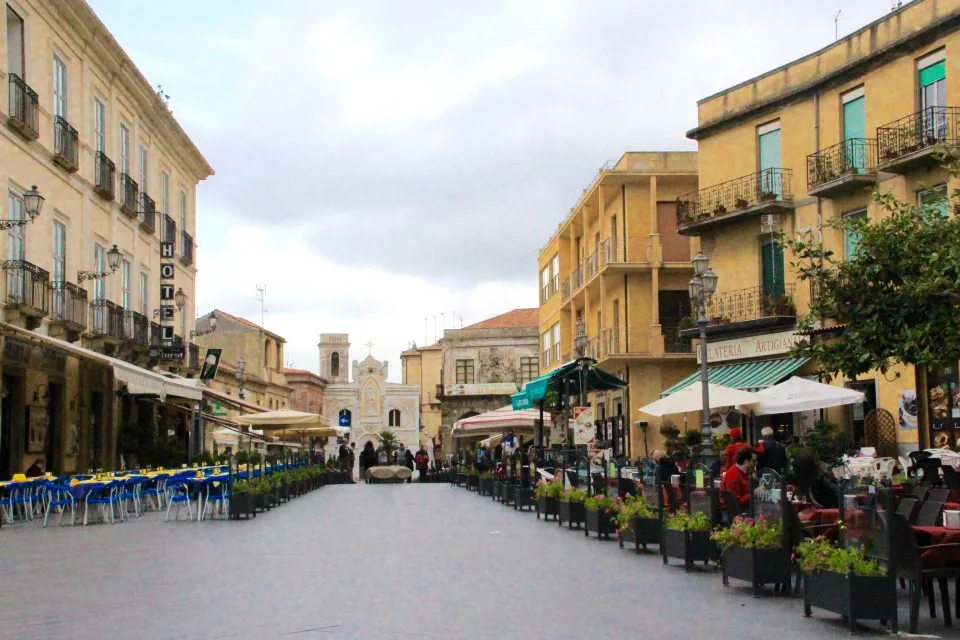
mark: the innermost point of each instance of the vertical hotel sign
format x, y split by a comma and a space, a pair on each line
166, 351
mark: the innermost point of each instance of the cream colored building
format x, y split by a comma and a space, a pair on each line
115, 169
421, 367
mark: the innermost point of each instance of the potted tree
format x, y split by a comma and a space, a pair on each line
243, 501
754, 550
601, 516
638, 523
571, 508
548, 499
687, 537
486, 483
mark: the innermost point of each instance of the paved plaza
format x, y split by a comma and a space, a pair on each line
385, 562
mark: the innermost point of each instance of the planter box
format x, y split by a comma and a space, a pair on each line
523, 499
498, 490
461, 479
473, 482
547, 507
602, 523
507, 490
486, 486
243, 505
571, 513
757, 566
642, 531
261, 502
689, 546
852, 596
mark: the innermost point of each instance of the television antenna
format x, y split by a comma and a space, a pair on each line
836, 25
262, 297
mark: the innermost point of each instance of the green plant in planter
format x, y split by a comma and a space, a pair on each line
634, 507
691, 438
821, 555
242, 488
488, 475
254, 457
548, 490
602, 503
574, 495
683, 520
748, 532
243, 456
719, 442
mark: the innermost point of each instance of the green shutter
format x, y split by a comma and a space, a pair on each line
933, 73
853, 119
772, 261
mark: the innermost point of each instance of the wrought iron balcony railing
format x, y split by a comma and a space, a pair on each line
129, 191
853, 157
168, 229
576, 278
608, 251
28, 287
107, 319
24, 116
104, 173
136, 328
155, 333
752, 303
186, 248
148, 214
919, 131
565, 289
742, 195
69, 304
609, 342
193, 356
65, 144
592, 264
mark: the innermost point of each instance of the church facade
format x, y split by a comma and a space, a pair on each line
365, 401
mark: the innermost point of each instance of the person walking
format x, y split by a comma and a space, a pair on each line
352, 453
368, 459
771, 454
422, 460
483, 459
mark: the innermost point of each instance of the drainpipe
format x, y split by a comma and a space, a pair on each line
626, 290
816, 146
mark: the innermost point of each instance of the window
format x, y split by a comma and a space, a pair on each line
935, 198
15, 235
183, 211
464, 371
124, 149
165, 192
125, 284
850, 237
59, 266
556, 342
933, 95
394, 417
144, 295
772, 268
334, 365
555, 280
99, 124
529, 369
545, 348
15, 57
545, 284
59, 87
768, 157
143, 169
854, 129
99, 265
344, 418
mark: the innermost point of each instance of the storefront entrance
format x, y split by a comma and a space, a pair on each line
944, 394
858, 412
12, 426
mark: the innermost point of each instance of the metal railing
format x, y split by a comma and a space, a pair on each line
155, 333
104, 172
920, 130
186, 248
608, 251
751, 303
65, 144
576, 278
609, 342
193, 356
24, 107
169, 229
592, 265
28, 286
136, 328
148, 214
69, 304
769, 185
565, 288
129, 190
853, 157
107, 319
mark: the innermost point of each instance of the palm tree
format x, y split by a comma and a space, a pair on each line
388, 442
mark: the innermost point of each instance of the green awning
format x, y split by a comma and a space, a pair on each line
747, 376
536, 389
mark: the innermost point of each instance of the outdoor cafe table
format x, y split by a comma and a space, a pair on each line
927, 536
825, 517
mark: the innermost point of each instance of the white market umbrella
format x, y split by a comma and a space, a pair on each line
285, 417
800, 394
500, 420
691, 399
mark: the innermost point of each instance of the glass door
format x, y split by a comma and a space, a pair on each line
933, 99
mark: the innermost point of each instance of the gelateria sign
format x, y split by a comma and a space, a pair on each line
487, 389
769, 344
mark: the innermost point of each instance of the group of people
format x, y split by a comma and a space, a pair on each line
371, 457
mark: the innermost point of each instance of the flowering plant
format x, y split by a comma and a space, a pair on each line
634, 507
820, 554
749, 532
548, 490
602, 503
574, 495
683, 520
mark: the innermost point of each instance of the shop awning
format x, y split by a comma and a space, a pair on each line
536, 389
746, 376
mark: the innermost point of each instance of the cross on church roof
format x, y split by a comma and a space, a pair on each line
369, 346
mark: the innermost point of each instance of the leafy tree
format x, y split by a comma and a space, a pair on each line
899, 294
389, 443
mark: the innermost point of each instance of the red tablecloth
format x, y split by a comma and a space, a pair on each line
951, 506
927, 536
819, 521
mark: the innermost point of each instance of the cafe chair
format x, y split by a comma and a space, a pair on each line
178, 492
909, 508
59, 498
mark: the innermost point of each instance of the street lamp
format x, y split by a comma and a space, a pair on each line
701, 288
213, 327
32, 205
113, 261
179, 298
241, 374
580, 344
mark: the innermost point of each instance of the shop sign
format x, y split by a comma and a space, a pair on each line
34, 356
487, 389
752, 347
584, 430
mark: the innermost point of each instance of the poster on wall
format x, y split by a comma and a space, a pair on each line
584, 431
558, 430
908, 409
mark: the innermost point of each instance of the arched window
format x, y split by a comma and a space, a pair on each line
344, 418
394, 417
335, 365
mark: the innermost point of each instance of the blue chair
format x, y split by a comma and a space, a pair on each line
128, 491
101, 496
178, 492
218, 494
59, 497
11, 501
154, 487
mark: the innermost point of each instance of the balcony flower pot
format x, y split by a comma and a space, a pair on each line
767, 196
547, 507
601, 522
642, 531
571, 513
757, 566
523, 498
742, 203
243, 505
719, 210
856, 597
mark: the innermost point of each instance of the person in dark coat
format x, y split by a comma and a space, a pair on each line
666, 467
368, 459
770, 453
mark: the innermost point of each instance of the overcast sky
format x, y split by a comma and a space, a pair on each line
380, 162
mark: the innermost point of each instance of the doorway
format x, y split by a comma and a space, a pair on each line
858, 412
55, 428
95, 431
11, 424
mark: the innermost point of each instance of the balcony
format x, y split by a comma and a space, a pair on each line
750, 196
576, 278
65, 145
168, 229
108, 320
129, 191
592, 265
155, 333
28, 288
24, 116
843, 168
69, 306
609, 251
104, 172
136, 329
911, 142
609, 342
193, 357
148, 214
743, 309
186, 248
565, 288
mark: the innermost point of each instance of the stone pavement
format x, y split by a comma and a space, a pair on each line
384, 562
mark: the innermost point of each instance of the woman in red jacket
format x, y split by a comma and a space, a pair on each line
422, 460
736, 443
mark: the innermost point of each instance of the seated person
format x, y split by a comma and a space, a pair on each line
36, 469
813, 482
737, 478
666, 467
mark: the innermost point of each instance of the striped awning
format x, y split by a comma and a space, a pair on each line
746, 376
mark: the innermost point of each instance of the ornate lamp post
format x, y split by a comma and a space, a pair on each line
702, 286
32, 205
241, 374
580, 344
113, 261
213, 327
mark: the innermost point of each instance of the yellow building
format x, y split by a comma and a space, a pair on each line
117, 173
422, 366
805, 144
618, 263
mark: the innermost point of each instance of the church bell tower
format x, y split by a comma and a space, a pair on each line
335, 357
